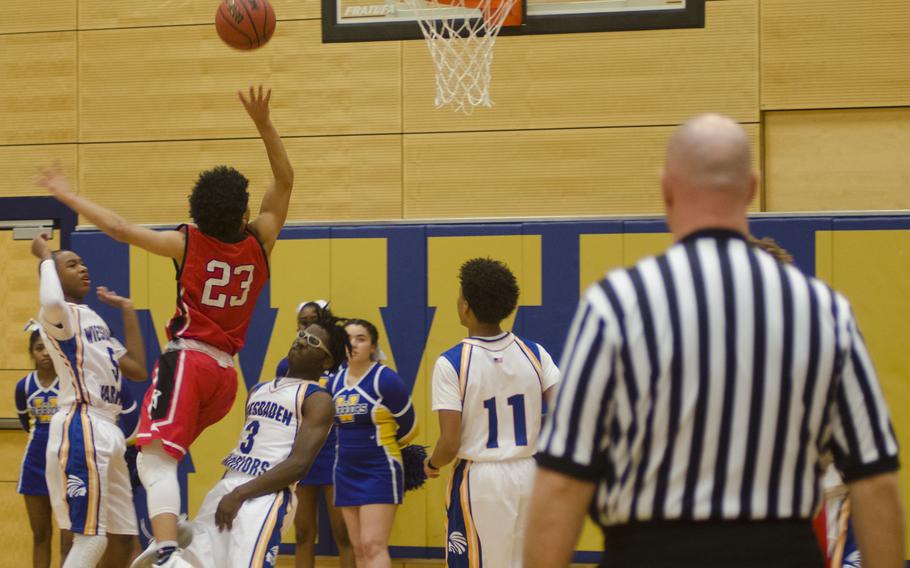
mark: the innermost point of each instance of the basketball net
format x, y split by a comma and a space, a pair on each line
462, 47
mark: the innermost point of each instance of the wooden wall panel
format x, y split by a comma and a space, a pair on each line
605, 79
835, 53
18, 299
15, 535
606, 171
180, 83
335, 178
134, 13
38, 91
46, 15
833, 160
19, 163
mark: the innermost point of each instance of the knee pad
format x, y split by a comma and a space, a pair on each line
158, 473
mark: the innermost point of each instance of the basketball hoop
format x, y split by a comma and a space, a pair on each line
460, 35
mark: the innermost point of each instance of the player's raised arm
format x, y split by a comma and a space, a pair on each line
164, 243
274, 208
132, 363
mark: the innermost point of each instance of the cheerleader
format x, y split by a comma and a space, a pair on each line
319, 478
375, 419
36, 403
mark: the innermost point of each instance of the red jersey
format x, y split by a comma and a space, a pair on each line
217, 287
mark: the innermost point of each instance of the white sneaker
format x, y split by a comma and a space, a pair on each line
150, 555
175, 561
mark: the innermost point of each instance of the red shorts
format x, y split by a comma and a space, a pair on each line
190, 391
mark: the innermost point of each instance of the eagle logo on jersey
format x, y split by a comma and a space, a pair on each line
272, 556
458, 544
75, 487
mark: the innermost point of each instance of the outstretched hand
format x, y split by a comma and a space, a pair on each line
257, 106
53, 180
40, 247
111, 298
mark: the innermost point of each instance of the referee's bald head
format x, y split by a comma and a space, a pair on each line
708, 178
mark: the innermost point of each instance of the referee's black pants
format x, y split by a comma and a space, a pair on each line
732, 544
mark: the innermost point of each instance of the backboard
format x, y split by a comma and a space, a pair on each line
378, 20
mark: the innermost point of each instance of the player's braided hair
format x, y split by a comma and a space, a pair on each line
770, 246
490, 289
219, 201
339, 342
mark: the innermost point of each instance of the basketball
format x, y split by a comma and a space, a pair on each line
245, 24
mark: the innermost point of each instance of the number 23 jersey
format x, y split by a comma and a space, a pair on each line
217, 288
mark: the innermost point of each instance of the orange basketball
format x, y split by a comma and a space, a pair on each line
245, 24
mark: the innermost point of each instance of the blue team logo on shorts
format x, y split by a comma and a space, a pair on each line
75, 487
458, 544
272, 556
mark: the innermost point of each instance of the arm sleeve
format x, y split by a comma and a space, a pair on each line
22, 406
446, 391
397, 399
863, 440
55, 316
573, 441
550, 370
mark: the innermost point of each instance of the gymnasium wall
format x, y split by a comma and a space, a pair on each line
403, 278
134, 98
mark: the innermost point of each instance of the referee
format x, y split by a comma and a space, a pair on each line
704, 389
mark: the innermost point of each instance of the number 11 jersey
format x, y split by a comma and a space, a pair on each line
497, 384
217, 287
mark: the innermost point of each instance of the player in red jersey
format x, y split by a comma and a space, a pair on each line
222, 265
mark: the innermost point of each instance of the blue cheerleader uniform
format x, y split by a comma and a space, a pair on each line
321, 472
375, 419
36, 406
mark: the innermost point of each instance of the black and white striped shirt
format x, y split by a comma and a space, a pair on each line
711, 383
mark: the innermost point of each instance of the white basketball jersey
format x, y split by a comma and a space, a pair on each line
273, 414
87, 363
497, 384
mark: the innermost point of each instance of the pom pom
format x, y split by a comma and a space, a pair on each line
413, 457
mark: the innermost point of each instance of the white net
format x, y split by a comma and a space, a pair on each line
460, 36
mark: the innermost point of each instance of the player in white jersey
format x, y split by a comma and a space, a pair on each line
489, 392
87, 477
287, 421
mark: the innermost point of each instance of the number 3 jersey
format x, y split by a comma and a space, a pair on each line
497, 383
217, 287
273, 414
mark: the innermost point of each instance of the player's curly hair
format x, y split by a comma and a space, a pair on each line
339, 342
490, 289
218, 202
